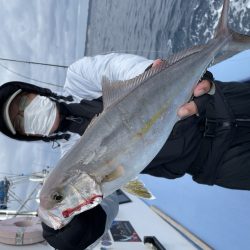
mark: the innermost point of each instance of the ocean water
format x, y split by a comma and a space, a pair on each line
157, 28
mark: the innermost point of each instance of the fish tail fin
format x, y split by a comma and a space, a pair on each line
222, 27
239, 42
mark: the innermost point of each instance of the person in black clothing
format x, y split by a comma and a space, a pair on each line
214, 143
210, 142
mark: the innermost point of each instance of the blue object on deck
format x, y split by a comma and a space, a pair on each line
4, 188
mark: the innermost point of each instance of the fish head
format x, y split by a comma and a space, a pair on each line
68, 196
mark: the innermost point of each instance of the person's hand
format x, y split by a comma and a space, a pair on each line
190, 108
157, 62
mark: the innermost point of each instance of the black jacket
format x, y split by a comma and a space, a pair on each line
210, 146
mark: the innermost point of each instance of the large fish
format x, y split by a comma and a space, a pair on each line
136, 121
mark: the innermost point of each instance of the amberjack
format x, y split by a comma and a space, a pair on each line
137, 118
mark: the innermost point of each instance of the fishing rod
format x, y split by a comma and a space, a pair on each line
33, 63
15, 212
50, 65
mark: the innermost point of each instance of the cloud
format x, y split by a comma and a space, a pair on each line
24, 157
44, 31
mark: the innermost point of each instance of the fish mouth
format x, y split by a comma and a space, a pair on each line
76, 198
86, 204
50, 219
58, 219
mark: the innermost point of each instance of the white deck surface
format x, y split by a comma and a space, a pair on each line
144, 221
148, 223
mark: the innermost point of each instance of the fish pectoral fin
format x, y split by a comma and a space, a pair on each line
118, 172
137, 188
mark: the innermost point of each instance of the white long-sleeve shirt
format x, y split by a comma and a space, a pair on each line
84, 77
83, 81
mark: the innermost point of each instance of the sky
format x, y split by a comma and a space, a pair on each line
233, 69
219, 216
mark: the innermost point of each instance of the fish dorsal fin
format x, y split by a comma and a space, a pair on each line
184, 53
137, 188
113, 91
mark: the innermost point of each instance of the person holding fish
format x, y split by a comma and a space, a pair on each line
210, 141
58, 119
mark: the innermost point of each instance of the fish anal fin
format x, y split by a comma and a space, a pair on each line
137, 188
118, 172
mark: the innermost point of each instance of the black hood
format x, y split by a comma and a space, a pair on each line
9, 88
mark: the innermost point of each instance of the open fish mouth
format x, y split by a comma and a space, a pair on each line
85, 205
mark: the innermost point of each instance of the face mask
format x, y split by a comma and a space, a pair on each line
39, 116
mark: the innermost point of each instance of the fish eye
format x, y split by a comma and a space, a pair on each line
57, 197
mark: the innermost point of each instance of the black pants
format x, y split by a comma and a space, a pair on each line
234, 169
